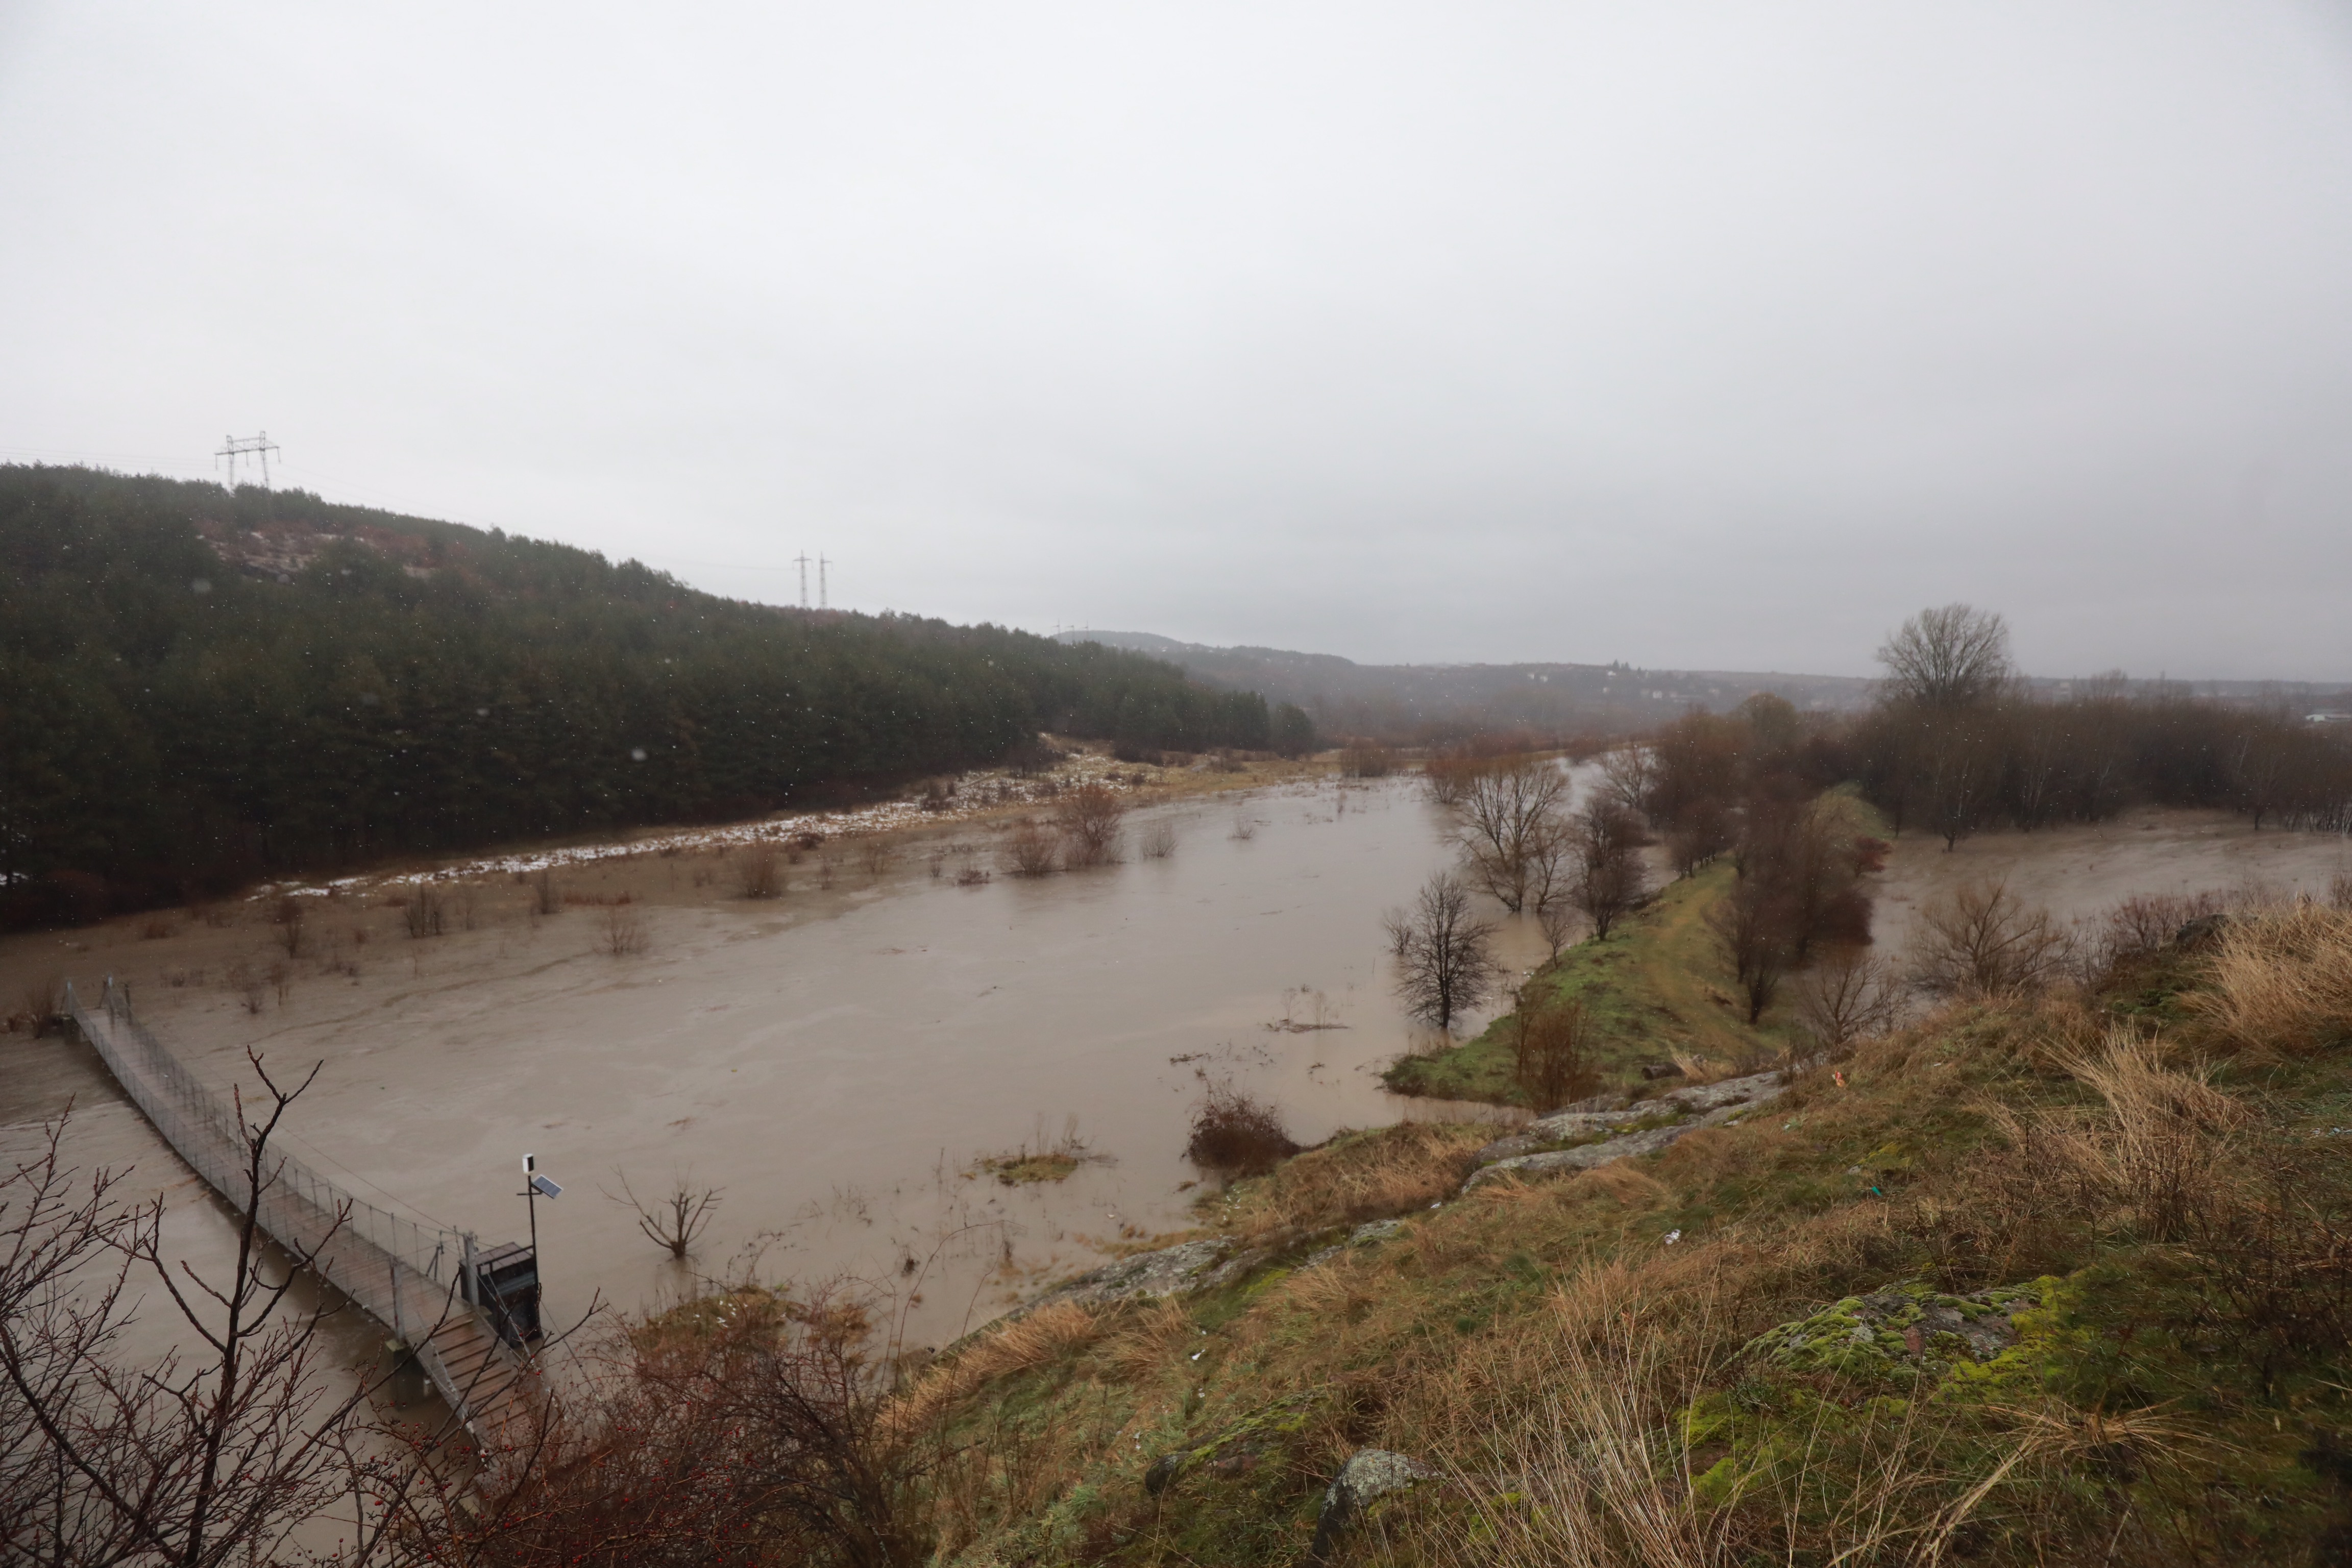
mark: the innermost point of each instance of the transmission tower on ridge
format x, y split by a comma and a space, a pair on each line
802, 561
235, 446
821, 564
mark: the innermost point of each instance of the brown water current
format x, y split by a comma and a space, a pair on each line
839, 1063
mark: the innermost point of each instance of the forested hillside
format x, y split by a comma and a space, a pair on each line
199, 686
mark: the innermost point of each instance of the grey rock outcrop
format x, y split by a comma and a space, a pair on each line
1369, 1474
1535, 1151
1186, 1265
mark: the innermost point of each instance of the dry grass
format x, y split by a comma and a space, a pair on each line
2282, 982
1148, 1343
2158, 1151
1357, 1177
1042, 1336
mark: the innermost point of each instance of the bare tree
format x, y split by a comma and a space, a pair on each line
1089, 817
1608, 879
1627, 774
202, 1463
1445, 953
1754, 929
1982, 939
546, 897
677, 1219
1947, 658
1509, 812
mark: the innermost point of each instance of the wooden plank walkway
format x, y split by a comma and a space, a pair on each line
402, 1274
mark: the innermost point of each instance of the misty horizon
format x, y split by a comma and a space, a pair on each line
1693, 339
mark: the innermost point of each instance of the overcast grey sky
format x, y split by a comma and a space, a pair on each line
1685, 334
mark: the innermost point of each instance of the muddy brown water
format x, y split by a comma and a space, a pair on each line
835, 1063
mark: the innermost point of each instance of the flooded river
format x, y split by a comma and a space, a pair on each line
835, 1063
838, 1062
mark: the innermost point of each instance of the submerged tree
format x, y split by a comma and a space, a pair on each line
1445, 953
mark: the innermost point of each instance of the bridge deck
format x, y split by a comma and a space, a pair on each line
400, 1273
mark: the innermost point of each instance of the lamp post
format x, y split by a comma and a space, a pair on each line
535, 1187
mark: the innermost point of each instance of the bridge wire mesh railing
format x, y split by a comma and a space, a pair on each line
406, 1275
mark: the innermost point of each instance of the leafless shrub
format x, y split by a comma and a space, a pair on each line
971, 875
1557, 921
876, 854
1846, 995
678, 1219
155, 929
758, 874
624, 934
1089, 817
252, 989
1031, 851
1549, 1062
1159, 840
1236, 1135
2138, 928
547, 898
1443, 952
1980, 940
1444, 779
1366, 761
424, 912
1244, 827
280, 975
824, 871
42, 999
468, 902
290, 916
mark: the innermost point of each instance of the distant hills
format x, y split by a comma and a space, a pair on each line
1416, 701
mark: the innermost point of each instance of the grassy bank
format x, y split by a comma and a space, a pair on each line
2018, 1284
1656, 989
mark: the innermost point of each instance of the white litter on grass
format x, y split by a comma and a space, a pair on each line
973, 792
